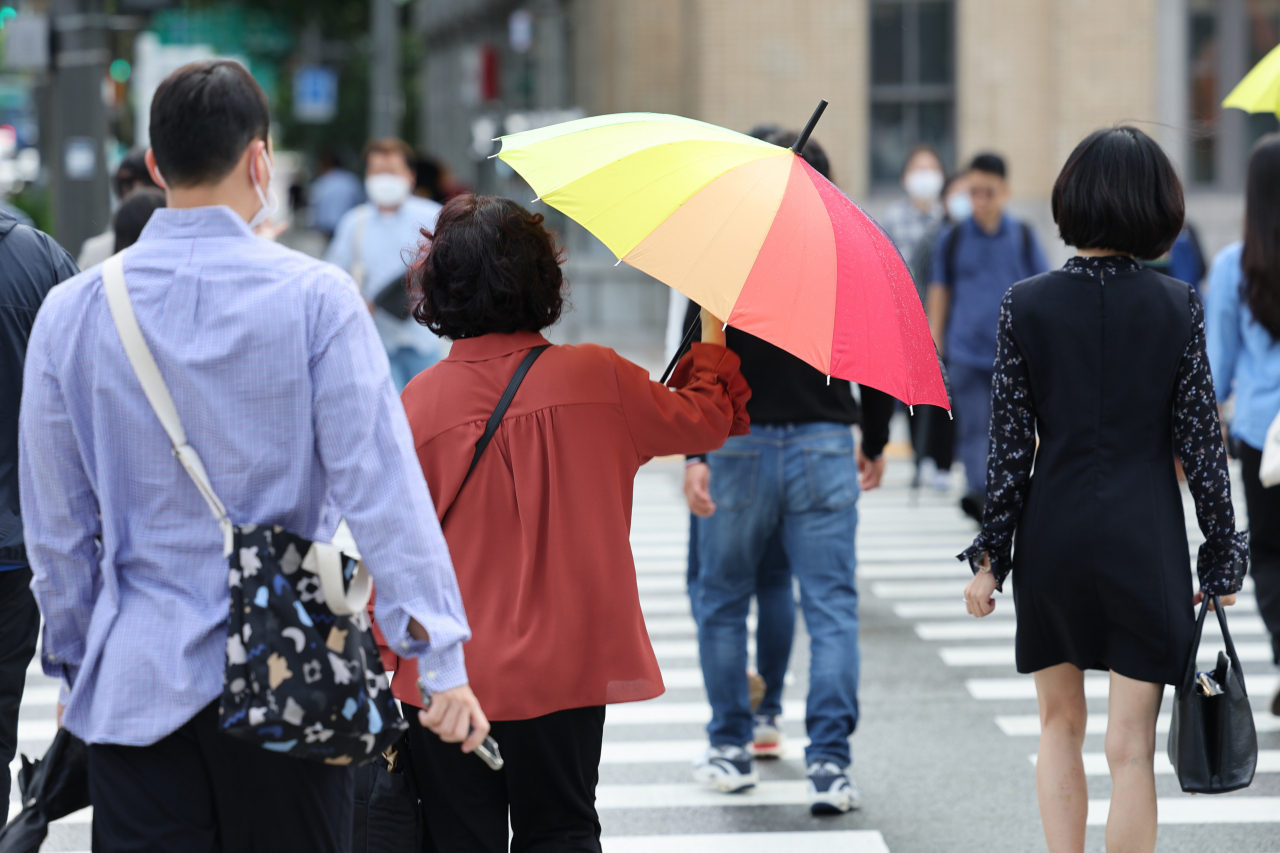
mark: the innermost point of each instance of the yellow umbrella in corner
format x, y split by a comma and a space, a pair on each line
1259, 91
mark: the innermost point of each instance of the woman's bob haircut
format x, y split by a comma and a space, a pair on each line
1119, 191
490, 266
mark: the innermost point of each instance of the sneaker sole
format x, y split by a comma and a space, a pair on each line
768, 750
727, 784
823, 807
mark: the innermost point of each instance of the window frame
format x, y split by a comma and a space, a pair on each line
910, 95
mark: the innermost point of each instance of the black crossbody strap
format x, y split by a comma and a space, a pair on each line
501, 409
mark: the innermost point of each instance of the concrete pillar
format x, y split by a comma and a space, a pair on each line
386, 103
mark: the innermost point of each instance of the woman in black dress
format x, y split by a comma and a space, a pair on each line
1105, 361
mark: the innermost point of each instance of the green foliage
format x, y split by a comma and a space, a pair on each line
36, 202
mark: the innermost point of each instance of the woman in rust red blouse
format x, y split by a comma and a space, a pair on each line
540, 533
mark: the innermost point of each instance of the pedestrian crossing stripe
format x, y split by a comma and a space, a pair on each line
1095, 763
840, 841
658, 711
1253, 652
1258, 684
1028, 725
676, 751
1227, 808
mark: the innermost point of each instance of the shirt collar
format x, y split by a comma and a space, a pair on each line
1000, 231
169, 223
493, 345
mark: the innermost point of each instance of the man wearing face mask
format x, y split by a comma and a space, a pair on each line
277, 375
373, 241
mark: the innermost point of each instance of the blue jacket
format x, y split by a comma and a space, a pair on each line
31, 263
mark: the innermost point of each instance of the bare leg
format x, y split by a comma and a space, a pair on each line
1131, 747
1060, 782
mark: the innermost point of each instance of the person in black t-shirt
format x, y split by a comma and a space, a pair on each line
783, 497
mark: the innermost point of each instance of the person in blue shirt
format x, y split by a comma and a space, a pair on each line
1242, 330
334, 191
974, 265
372, 243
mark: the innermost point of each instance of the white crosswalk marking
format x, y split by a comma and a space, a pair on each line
1095, 763
1028, 725
1184, 810
1004, 655
849, 841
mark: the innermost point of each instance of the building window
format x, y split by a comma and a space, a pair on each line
1221, 139
912, 82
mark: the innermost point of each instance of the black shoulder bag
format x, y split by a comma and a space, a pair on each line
1213, 745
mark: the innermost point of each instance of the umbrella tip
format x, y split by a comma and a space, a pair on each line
828, 378
809, 126
619, 261
536, 200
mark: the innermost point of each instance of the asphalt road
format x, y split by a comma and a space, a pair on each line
943, 752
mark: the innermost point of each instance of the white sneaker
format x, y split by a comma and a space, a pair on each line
767, 738
726, 768
831, 790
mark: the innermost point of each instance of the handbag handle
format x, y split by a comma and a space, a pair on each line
1188, 682
325, 561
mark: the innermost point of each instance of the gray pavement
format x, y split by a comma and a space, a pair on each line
943, 753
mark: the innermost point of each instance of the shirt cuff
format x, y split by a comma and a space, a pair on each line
697, 459
440, 669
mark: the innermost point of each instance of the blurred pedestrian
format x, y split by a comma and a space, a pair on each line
133, 215
933, 432
1104, 363
912, 218
278, 376
974, 264
1243, 328
795, 476
334, 192
31, 263
374, 242
539, 531
131, 175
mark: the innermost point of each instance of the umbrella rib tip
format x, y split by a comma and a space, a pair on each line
618, 262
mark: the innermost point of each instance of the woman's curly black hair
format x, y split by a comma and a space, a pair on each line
490, 266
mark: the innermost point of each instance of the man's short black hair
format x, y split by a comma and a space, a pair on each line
1119, 191
203, 116
992, 164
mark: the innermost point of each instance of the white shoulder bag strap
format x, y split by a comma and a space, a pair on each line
321, 559
148, 373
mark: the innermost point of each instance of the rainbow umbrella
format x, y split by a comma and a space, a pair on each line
747, 230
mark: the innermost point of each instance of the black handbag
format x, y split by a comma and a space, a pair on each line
303, 674
1213, 745
394, 298
52, 788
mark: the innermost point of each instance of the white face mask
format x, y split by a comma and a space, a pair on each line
959, 207
268, 208
386, 190
923, 184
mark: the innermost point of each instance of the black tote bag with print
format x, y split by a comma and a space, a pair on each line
303, 674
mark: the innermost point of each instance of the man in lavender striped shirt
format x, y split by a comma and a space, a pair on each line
283, 386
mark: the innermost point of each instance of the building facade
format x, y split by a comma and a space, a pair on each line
1024, 78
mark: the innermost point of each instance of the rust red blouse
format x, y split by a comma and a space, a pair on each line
540, 535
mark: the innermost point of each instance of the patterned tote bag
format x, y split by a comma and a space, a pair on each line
303, 675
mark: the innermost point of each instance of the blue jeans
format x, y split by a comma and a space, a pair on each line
407, 362
971, 394
799, 482
775, 612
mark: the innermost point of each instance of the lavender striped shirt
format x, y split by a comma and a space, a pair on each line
283, 388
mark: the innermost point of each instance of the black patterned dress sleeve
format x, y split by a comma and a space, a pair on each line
1013, 449
1223, 557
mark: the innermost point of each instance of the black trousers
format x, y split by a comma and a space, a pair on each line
548, 784
200, 791
933, 434
19, 629
1264, 543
